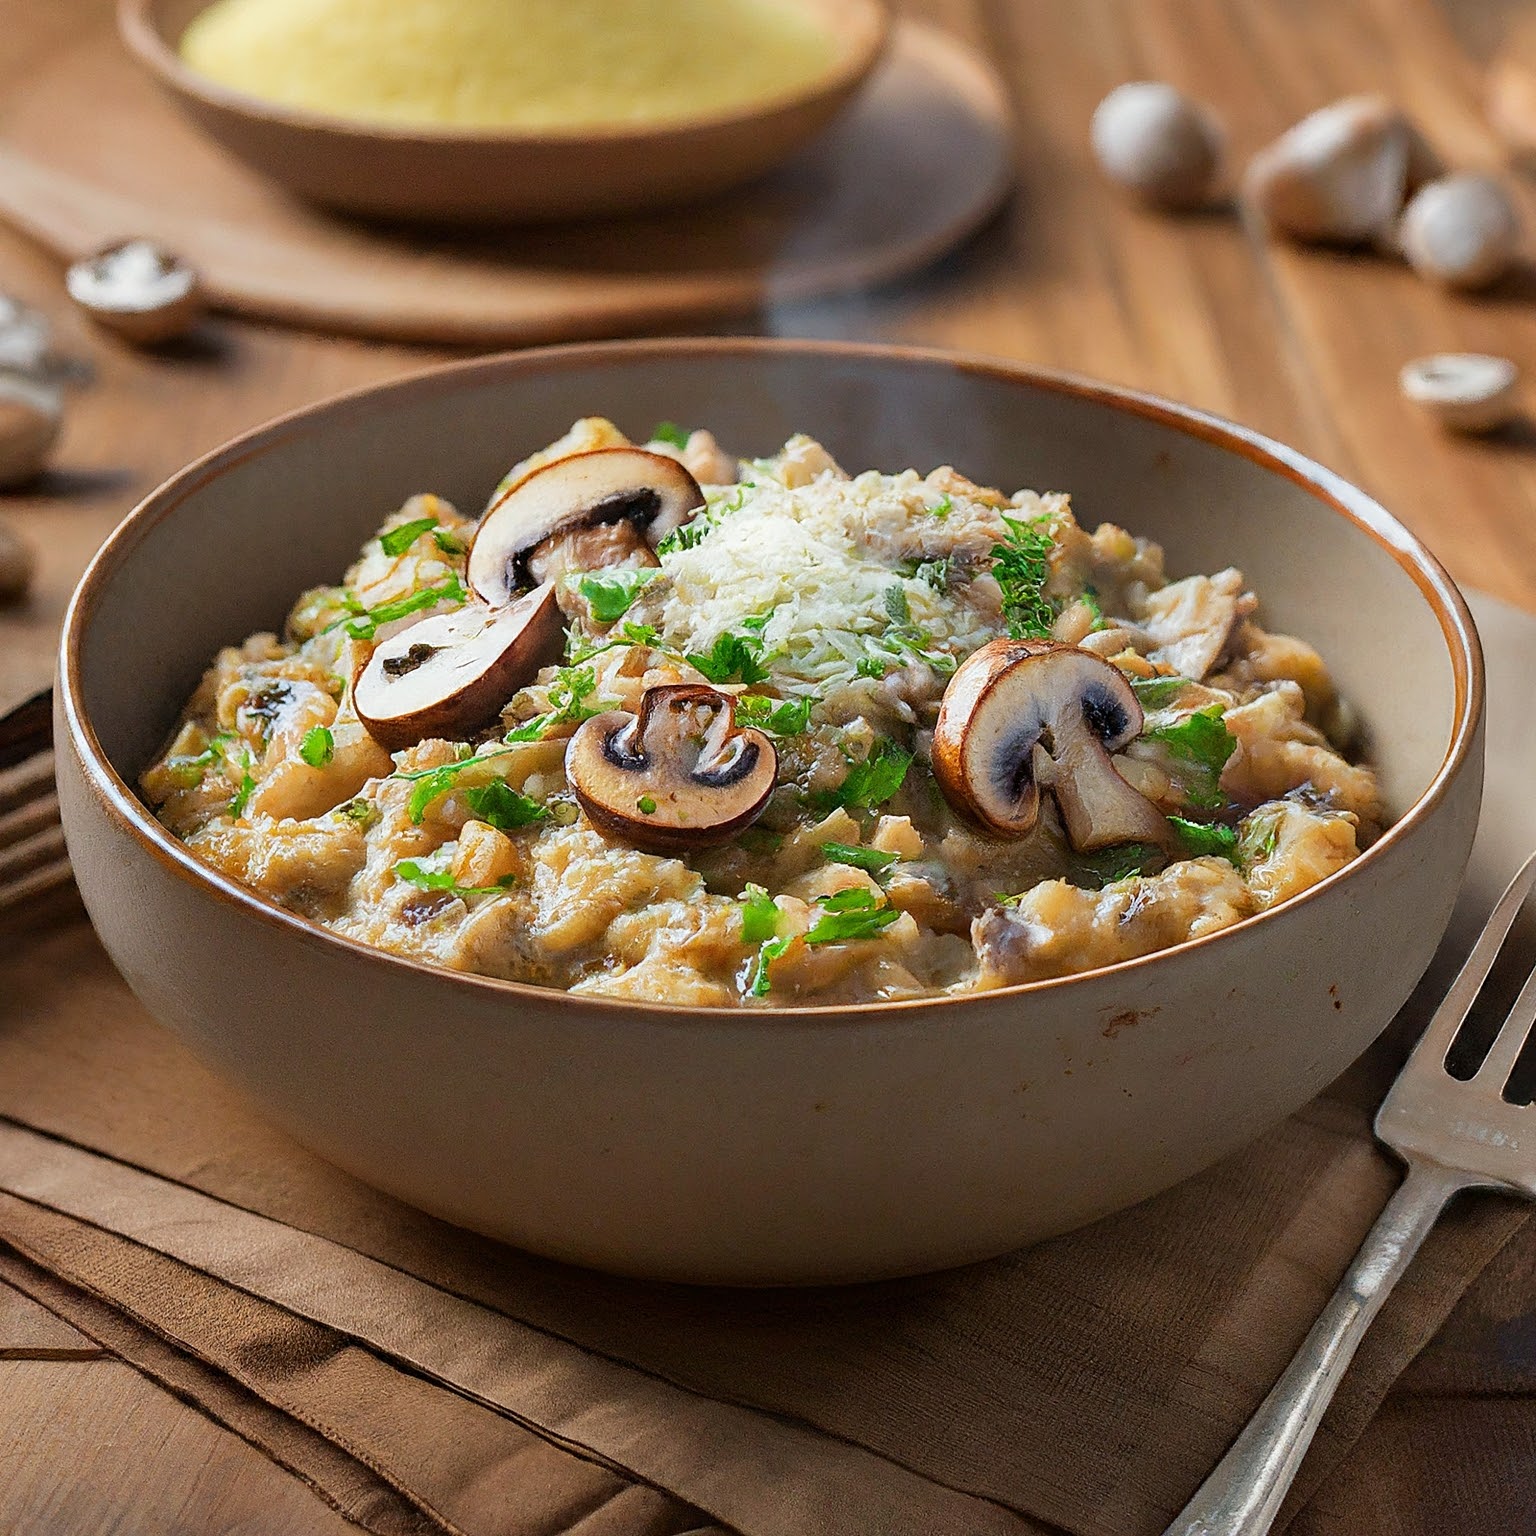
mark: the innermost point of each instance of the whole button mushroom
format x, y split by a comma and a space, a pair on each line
607, 507
1338, 176
675, 776
145, 294
1025, 716
450, 674
1460, 232
1463, 391
1155, 141
31, 412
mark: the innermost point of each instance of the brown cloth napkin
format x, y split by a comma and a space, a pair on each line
1085, 1385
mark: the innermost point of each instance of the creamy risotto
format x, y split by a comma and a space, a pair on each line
667, 726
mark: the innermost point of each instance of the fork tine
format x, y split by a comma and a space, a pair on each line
1451, 1013
1510, 1041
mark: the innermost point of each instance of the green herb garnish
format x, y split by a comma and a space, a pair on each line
191, 771
871, 783
759, 984
897, 609
933, 573
318, 746
1261, 836
1108, 865
851, 915
242, 797
363, 812
1199, 745
782, 717
693, 532
432, 783
942, 508
569, 694
1022, 567
646, 805
498, 804
363, 623
1155, 692
1089, 598
670, 432
732, 658
1206, 838
400, 539
611, 594
759, 916
442, 880
871, 860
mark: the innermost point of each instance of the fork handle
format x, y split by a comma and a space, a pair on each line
1244, 1492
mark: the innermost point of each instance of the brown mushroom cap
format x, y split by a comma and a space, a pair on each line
449, 674
648, 492
678, 775
1025, 715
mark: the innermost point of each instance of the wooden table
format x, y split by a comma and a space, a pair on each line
1302, 345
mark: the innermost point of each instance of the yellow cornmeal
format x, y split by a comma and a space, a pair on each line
528, 64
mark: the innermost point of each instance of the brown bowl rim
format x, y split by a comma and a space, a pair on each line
133, 817
145, 41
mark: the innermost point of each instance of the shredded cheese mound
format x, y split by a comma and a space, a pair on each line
826, 563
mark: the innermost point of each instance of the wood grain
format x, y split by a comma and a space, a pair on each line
29, 1331
1302, 344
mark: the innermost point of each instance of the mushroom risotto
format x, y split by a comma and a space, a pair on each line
669, 727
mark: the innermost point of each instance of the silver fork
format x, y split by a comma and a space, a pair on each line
33, 863
1453, 1135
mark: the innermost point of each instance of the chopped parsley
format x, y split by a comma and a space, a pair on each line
400, 539
318, 746
363, 623
1022, 566
1094, 871
570, 698
894, 600
780, 717
629, 634
758, 985
191, 771
734, 658
934, 573
670, 432
646, 805
363, 812
871, 860
442, 880
1090, 600
502, 807
871, 783
242, 796
941, 508
1202, 838
759, 916
851, 915
1155, 692
703, 522
1199, 746
611, 594
433, 783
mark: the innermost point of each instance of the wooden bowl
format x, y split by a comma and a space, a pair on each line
806, 1143
454, 176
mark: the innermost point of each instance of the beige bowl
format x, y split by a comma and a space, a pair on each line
804, 1143
466, 177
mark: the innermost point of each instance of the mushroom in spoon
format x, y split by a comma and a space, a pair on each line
678, 775
450, 674
608, 507
1022, 716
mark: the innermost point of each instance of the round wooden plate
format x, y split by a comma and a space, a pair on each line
90, 152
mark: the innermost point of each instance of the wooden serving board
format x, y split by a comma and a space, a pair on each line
91, 152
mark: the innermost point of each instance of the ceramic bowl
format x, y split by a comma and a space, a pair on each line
491, 177
799, 1144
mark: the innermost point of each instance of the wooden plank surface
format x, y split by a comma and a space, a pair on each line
1301, 344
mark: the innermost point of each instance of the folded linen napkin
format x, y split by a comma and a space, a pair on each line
1085, 1385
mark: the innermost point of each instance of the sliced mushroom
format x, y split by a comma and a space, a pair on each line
609, 507
1021, 716
678, 775
451, 673
145, 293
